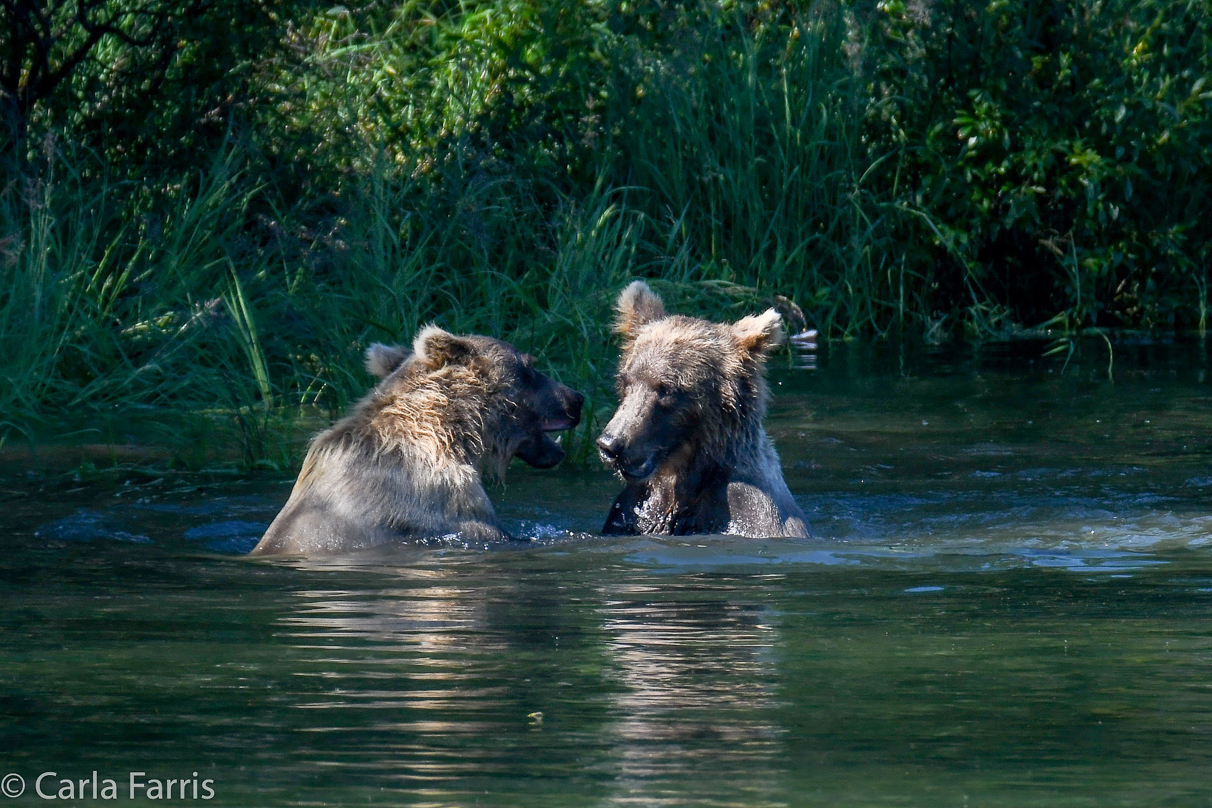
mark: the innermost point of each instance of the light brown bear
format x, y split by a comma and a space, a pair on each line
687, 437
406, 462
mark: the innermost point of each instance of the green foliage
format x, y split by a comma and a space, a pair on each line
217, 222
1061, 149
137, 80
744, 136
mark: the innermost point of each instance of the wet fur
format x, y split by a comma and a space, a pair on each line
692, 398
407, 461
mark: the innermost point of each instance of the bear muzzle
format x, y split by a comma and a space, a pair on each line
539, 450
570, 415
613, 452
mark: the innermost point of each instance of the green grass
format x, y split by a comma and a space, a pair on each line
178, 318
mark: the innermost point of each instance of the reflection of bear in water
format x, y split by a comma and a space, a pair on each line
697, 703
406, 462
687, 437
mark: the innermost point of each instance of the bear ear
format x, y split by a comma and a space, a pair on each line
759, 334
436, 347
383, 360
637, 306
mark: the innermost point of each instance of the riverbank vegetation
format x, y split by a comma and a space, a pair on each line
209, 208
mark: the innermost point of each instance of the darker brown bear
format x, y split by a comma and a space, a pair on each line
687, 437
406, 462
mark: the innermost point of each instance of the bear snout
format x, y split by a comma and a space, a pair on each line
613, 451
609, 446
570, 411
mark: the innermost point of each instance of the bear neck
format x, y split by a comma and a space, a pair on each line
684, 495
737, 451
738, 440
685, 479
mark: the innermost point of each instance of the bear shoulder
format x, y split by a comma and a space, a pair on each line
759, 513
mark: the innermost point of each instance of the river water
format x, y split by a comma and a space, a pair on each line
1007, 601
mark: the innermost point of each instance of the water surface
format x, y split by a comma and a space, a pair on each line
1006, 601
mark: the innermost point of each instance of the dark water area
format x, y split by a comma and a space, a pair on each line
1007, 601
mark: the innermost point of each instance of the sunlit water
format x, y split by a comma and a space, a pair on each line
1007, 601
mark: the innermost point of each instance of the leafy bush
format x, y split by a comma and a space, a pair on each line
1061, 150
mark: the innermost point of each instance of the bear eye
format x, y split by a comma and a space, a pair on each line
664, 392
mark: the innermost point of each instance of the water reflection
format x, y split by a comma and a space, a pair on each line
406, 652
699, 697
435, 676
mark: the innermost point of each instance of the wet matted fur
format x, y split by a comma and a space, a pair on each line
407, 460
687, 438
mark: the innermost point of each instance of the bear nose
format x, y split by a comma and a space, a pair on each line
577, 401
609, 445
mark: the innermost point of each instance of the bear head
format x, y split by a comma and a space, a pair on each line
489, 393
688, 389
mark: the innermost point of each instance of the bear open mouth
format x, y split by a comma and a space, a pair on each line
558, 424
540, 451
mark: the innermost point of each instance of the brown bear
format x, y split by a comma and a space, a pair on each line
406, 462
687, 437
